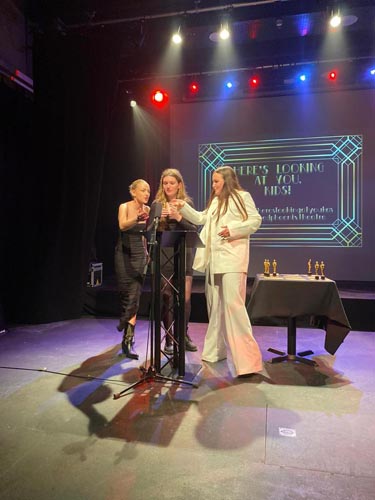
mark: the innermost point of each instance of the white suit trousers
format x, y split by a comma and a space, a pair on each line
229, 324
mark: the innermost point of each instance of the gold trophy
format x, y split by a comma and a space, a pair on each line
316, 270
274, 266
322, 267
266, 264
309, 272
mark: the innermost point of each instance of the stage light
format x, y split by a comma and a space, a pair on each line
229, 84
224, 33
159, 98
335, 21
304, 24
372, 72
176, 37
193, 88
332, 75
302, 77
221, 34
133, 103
254, 82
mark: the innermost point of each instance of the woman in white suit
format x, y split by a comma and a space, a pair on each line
228, 221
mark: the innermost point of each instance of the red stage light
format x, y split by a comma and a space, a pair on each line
194, 88
254, 82
332, 75
159, 98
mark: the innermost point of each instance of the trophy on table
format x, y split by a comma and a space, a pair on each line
316, 270
266, 264
274, 267
309, 272
322, 267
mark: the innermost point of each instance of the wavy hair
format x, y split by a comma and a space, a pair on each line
181, 194
230, 189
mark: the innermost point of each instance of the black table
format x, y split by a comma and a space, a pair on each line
299, 295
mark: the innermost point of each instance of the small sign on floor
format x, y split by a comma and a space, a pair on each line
284, 431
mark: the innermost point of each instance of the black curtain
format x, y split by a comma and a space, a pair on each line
75, 81
17, 187
67, 157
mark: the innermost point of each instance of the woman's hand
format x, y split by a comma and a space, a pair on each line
224, 233
177, 203
165, 211
174, 213
142, 215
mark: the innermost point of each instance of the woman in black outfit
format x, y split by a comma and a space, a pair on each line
172, 187
131, 260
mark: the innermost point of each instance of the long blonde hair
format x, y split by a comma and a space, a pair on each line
181, 194
230, 189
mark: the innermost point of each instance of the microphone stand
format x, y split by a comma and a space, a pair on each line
152, 373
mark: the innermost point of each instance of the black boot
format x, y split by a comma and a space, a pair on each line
128, 341
122, 324
189, 345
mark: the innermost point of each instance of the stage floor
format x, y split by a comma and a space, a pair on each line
291, 432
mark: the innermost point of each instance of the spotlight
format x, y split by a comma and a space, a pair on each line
304, 24
193, 88
335, 21
302, 77
372, 71
176, 37
159, 98
229, 84
332, 75
224, 33
254, 82
133, 103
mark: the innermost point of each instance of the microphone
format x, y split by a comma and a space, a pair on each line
155, 214
158, 209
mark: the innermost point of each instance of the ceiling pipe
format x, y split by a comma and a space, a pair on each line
314, 62
175, 14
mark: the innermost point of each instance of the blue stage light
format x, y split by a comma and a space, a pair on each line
229, 84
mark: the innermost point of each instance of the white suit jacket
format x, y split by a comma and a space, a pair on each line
229, 255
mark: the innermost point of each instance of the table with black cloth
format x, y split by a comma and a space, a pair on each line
293, 296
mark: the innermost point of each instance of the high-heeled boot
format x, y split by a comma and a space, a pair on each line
128, 342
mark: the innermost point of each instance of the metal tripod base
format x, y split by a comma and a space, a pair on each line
151, 375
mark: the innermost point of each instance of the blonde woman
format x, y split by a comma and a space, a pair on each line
228, 221
130, 260
172, 187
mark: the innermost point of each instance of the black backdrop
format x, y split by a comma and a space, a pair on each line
67, 157
61, 163
17, 188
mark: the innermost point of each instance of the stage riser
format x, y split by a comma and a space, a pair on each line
105, 302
